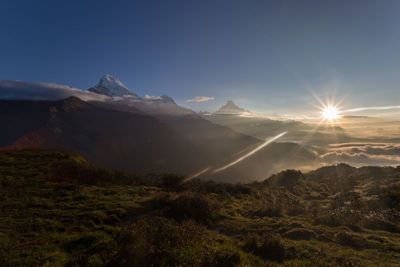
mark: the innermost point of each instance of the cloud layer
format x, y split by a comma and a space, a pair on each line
200, 99
44, 91
364, 154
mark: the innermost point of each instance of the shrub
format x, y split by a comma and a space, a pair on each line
268, 247
172, 182
223, 258
352, 240
286, 178
190, 206
300, 234
85, 173
329, 220
275, 211
158, 241
272, 249
378, 224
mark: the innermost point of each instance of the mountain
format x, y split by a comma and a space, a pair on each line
110, 138
114, 127
263, 127
230, 108
116, 139
108, 93
155, 105
136, 142
111, 86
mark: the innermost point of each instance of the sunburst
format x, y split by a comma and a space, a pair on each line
330, 113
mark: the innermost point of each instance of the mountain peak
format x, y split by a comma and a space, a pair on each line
111, 86
166, 98
230, 108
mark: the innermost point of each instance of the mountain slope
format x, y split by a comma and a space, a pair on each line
106, 137
137, 142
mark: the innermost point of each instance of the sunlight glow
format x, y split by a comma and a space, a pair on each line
330, 113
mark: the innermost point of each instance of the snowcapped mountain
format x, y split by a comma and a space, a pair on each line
111, 86
230, 108
159, 100
121, 95
109, 92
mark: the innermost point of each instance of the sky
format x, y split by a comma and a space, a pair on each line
267, 56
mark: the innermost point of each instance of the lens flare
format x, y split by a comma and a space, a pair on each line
250, 153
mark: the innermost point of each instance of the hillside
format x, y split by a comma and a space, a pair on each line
59, 210
131, 140
109, 138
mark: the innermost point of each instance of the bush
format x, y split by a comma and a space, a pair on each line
351, 240
275, 211
158, 241
191, 206
223, 258
172, 182
286, 178
378, 224
268, 247
85, 173
329, 220
300, 234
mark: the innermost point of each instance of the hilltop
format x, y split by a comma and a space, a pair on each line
59, 210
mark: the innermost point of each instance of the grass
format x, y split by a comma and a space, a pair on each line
56, 209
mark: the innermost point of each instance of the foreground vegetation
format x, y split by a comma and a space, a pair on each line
56, 209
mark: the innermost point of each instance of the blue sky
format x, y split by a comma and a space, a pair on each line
265, 55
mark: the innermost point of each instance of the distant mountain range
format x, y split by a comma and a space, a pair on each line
263, 127
113, 127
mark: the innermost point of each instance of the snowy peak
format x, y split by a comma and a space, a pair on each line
111, 86
166, 99
119, 93
160, 99
111, 82
230, 108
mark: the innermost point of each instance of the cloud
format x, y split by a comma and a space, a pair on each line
200, 99
364, 154
360, 159
151, 97
370, 148
44, 91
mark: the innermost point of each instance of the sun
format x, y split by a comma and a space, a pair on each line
330, 113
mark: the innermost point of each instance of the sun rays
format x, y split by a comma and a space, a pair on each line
330, 113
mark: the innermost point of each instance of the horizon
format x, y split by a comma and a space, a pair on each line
311, 113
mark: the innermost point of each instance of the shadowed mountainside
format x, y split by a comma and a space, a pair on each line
133, 141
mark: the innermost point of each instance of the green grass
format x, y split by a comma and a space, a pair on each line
55, 212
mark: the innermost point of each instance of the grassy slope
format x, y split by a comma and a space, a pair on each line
58, 210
